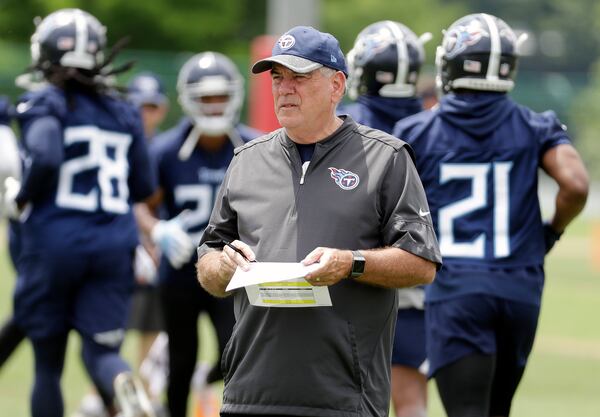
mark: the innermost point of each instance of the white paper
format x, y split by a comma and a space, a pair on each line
292, 293
263, 272
280, 284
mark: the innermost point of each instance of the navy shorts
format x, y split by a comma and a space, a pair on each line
90, 293
480, 324
409, 339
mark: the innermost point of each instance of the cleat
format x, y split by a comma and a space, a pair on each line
131, 396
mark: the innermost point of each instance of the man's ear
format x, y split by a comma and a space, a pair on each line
338, 82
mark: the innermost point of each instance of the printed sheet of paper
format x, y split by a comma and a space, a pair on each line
280, 284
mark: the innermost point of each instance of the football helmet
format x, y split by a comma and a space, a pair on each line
206, 75
385, 60
146, 88
478, 52
68, 38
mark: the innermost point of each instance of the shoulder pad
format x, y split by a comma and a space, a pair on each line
47, 102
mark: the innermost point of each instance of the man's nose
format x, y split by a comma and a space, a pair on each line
287, 86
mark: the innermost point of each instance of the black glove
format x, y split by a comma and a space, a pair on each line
550, 236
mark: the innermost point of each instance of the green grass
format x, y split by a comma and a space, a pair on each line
561, 380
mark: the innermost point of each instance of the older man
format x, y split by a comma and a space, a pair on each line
321, 190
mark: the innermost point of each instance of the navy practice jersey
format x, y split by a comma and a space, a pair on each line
86, 163
381, 112
478, 157
190, 185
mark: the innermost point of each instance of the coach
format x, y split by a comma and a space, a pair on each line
322, 189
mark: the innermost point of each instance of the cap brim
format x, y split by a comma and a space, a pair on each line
295, 63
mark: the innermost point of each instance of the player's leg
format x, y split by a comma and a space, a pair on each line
461, 349
41, 309
515, 340
409, 383
46, 396
99, 315
10, 337
220, 311
181, 309
465, 385
146, 317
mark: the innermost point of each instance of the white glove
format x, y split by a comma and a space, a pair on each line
173, 241
9, 207
144, 267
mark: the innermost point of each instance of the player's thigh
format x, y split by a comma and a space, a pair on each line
460, 327
515, 340
44, 293
104, 298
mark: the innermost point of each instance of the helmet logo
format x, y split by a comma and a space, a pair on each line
458, 39
346, 180
371, 45
286, 41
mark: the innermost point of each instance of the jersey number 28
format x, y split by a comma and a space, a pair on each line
109, 190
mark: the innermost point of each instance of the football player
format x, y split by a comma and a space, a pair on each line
147, 93
384, 67
478, 156
86, 164
10, 175
191, 160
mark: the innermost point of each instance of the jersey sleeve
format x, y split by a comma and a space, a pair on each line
222, 226
551, 132
406, 221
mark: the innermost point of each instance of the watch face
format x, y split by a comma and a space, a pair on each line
358, 266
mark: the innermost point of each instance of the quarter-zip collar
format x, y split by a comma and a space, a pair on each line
342, 133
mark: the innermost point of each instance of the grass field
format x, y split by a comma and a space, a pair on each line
562, 379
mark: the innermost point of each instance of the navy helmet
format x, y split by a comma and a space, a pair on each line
70, 38
211, 74
478, 52
385, 60
146, 88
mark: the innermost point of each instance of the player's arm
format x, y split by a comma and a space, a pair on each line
565, 166
43, 141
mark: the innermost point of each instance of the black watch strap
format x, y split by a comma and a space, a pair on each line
358, 265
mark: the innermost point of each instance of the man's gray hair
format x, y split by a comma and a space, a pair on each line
329, 72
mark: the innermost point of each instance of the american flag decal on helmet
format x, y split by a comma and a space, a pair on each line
346, 180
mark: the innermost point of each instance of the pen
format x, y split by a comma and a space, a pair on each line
239, 251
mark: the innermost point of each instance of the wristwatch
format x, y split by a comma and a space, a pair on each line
358, 265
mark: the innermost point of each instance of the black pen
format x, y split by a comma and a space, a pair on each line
239, 251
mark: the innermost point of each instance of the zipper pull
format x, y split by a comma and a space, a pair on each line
304, 169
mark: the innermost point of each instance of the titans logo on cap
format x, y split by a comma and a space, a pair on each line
286, 41
346, 180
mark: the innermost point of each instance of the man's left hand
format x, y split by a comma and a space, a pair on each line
335, 265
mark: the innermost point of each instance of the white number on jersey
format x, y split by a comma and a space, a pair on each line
202, 196
111, 192
477, 174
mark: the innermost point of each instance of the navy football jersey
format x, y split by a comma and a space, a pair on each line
83, 173
381, 112
478, 156
190, 185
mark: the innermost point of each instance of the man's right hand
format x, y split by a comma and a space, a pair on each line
173, 241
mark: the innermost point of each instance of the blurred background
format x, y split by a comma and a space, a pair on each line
559, 70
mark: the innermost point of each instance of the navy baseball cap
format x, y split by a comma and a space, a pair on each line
304, 49
146, 88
